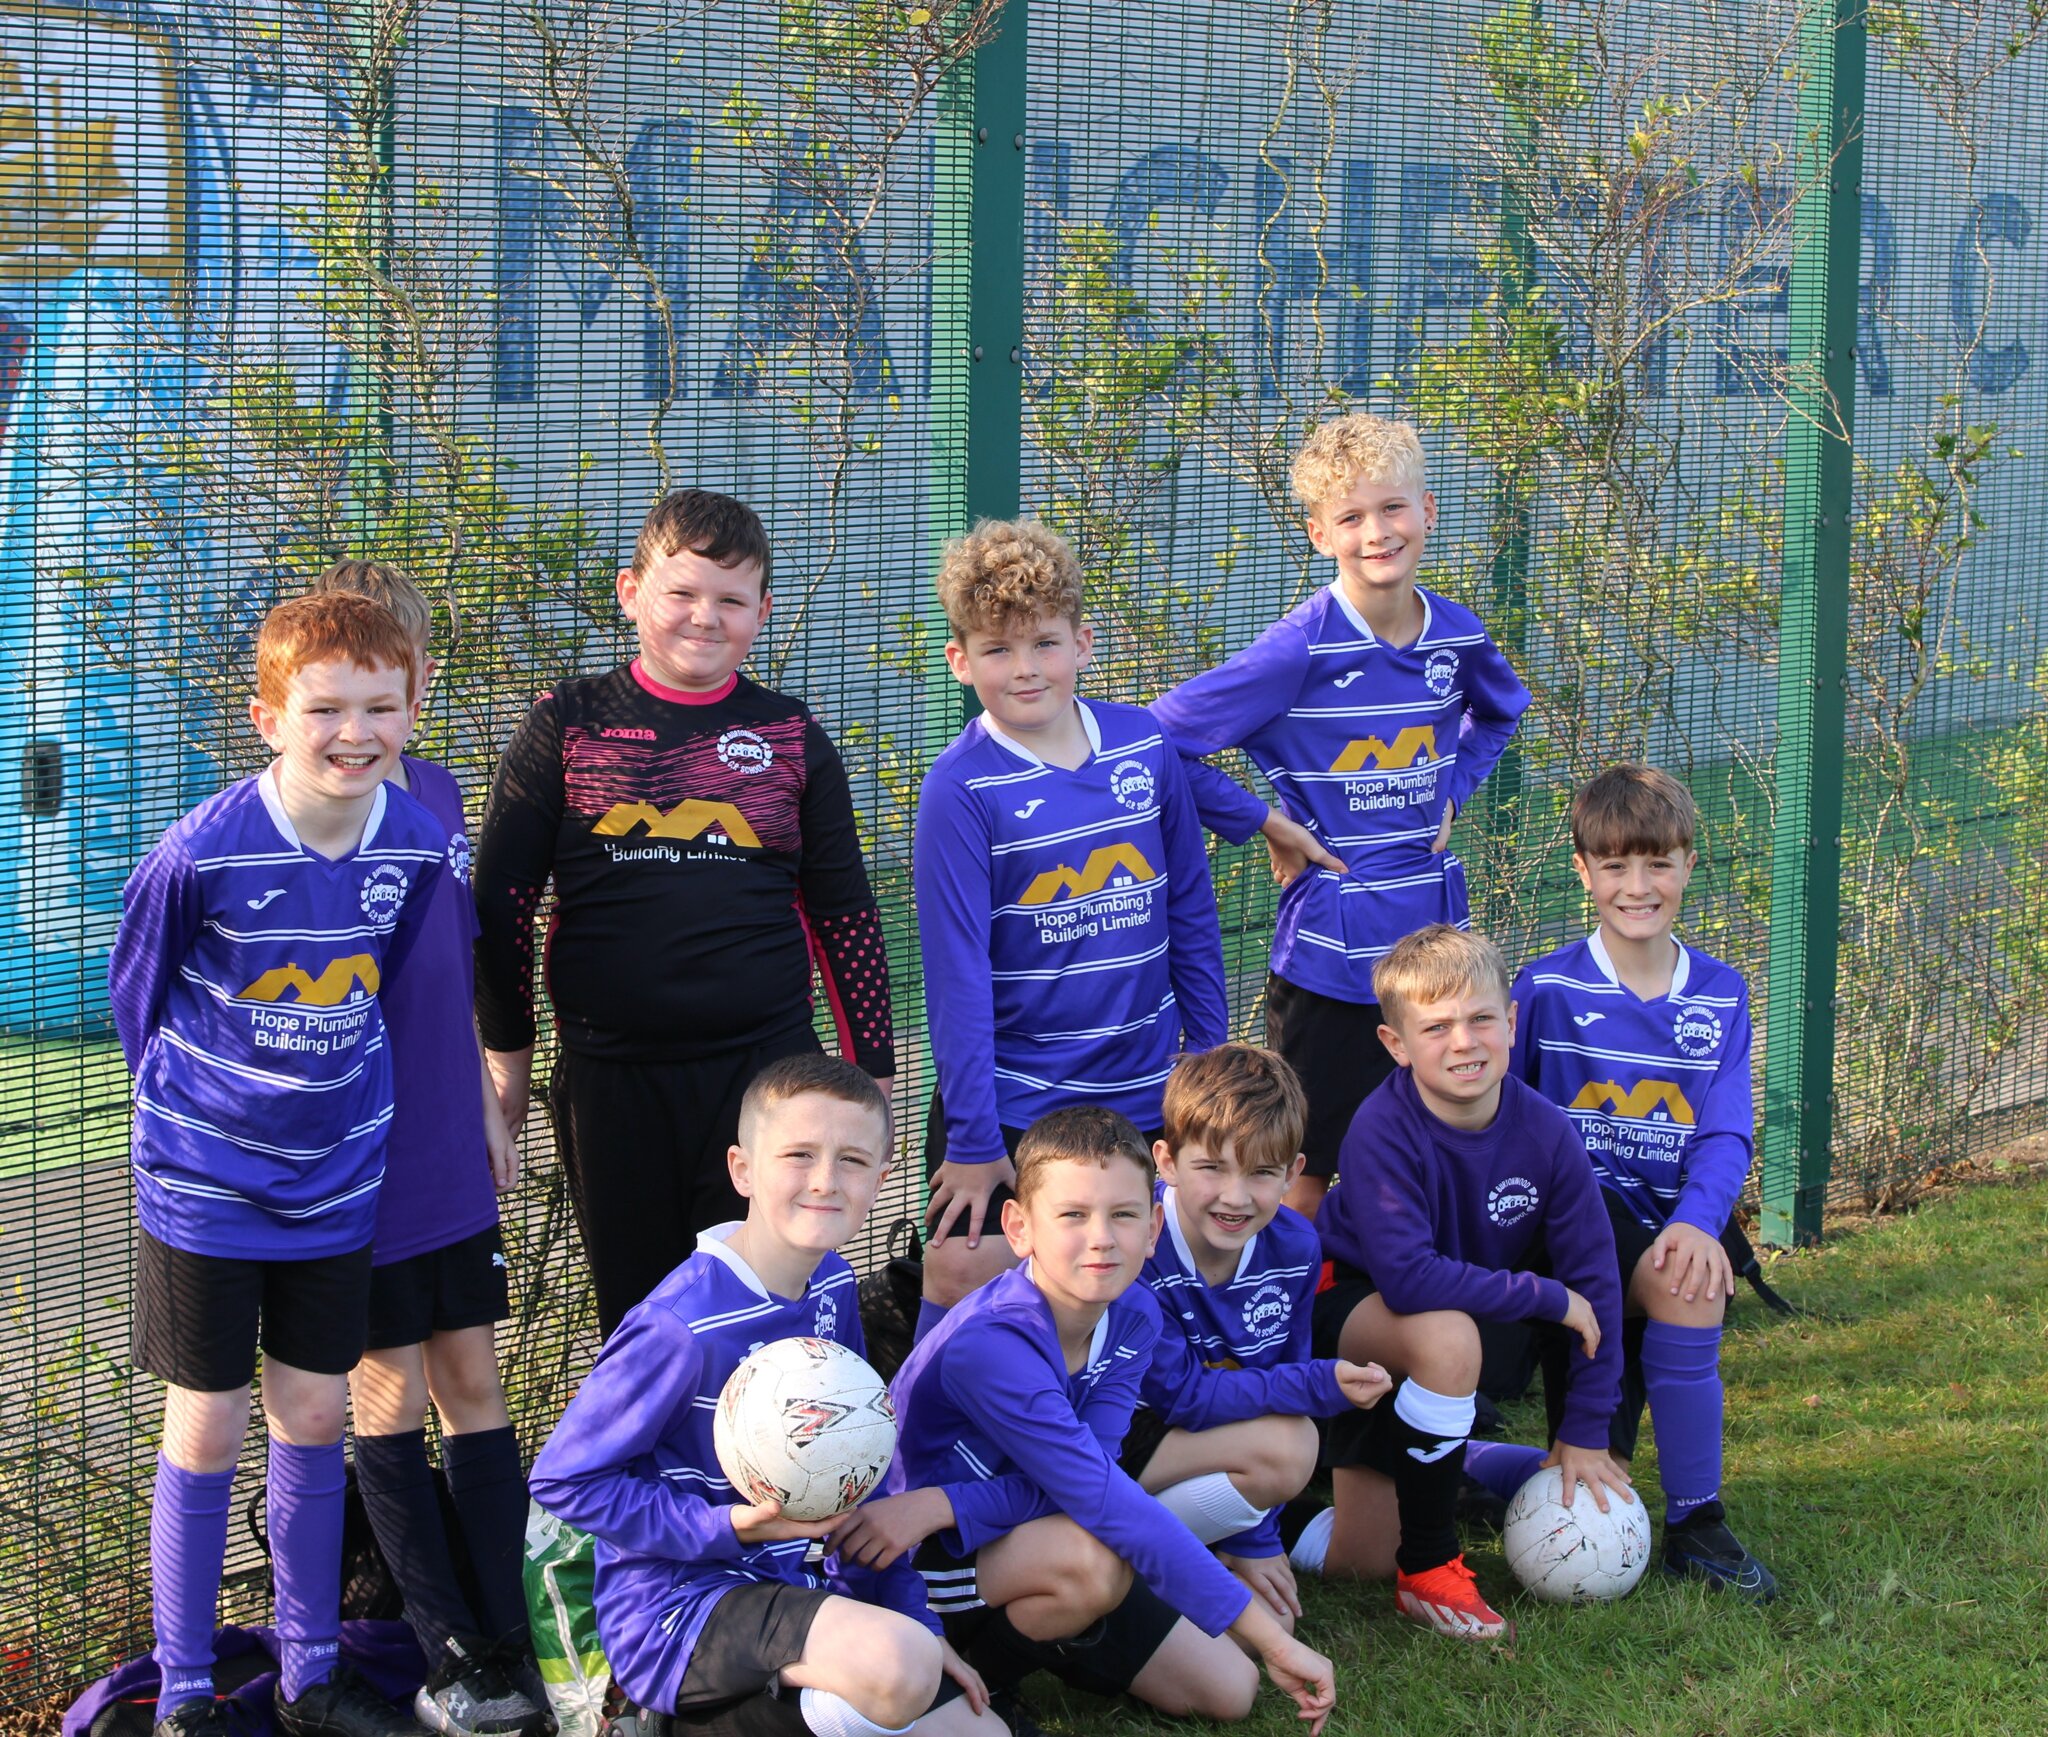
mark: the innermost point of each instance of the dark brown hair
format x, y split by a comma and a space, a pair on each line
1084, 1134
1633, 808
715, 526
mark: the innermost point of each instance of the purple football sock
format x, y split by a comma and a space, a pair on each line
305, 1560
188, 1540
929, 1315
1682, 1374
1502, 1467
488, 1486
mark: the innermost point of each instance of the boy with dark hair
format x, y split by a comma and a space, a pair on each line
1010, 1415
712, 1609
700, 834
1463, 1196
255, 940
1222, 1434
437, 1287
1645, 1042
1071, 951
1375, 709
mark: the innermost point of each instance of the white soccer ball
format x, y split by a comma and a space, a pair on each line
804, 1422
1567, 1554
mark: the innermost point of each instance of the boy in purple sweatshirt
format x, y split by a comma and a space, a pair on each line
718, 1611
1006, 1484
1375, 709
1463, 1196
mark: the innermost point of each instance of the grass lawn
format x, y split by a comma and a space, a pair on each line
1887, 1455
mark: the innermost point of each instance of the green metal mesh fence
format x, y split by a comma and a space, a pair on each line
465, 283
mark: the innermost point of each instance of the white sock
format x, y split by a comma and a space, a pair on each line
1314, 1543
831, 1715
1447, 1416
1210, 1507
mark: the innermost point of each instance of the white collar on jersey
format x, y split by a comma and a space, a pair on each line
1096, 1340
1170, 1199
273, 805
1358, 621
1016, 747
1680, 973
715, 1243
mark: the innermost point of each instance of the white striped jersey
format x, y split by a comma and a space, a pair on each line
1069, 928
244, 982
1659, 1090
1365, 743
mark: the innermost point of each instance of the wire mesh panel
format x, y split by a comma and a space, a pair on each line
465, 284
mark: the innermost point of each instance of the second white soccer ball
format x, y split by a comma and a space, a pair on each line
807, 1423
1566, 1554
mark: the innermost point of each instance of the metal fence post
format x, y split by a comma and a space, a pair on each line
1813, 626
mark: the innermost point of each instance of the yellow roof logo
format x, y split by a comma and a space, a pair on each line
1646, 1097
1411, 747
335, 984
1094, 875
690, 819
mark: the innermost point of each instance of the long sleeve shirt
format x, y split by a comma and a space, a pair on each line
1367, 744
632, 1463
1449, 1218
986, 1409
1071, 949
245, 981
1659, 1090
701, 847
1239, 1349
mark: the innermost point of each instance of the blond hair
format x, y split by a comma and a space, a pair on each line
1082, 1134
1433, 964
1240, 1095
383, 583
1008, 573
1348, 448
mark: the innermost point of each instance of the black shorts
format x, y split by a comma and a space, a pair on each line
935, 1155
444, 1290
752, 1633
1343, 1288
1141, 1441
1335, 1047
949, 1583
199, 1318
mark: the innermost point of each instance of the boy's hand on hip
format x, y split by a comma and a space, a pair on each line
1442, 841
1579, 1317
1692, 1261
762, 1523
1364, 1384
1292, 848
960, 1196
879, 1531
1596, 1468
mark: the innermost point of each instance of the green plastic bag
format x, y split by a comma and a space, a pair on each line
560, 1574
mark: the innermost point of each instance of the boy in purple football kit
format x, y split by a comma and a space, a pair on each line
1375, 709
1644, 1042
438, 1286
700, 835
255, 941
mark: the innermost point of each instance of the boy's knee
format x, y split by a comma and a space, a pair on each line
954, 1271
1660, 1305
1094, 1582
1225, 1690
1285, 1462
1444, 1350
905, 1676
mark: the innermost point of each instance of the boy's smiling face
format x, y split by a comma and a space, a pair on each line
1375, 531
809, 1169
1222, 1201
1457, 1049
1637, 893
338, 733
697, 620
1086, 1230
1023, 672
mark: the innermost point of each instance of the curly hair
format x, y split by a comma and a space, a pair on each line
1005, 573
1348, 447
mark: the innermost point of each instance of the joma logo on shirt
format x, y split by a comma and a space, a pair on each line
1412, 747
337, 981
690, 819
1652, 1098
1112, 864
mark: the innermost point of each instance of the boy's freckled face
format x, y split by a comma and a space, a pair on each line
810, 1168
1638, 894
340, 728
1023, 673
1222, 1202
1457, 1049
697, 620
1375, 531
1086, 1230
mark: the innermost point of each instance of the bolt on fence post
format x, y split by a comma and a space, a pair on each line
1806, 854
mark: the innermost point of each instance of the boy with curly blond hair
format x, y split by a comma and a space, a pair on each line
1071, 951
1375, 709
